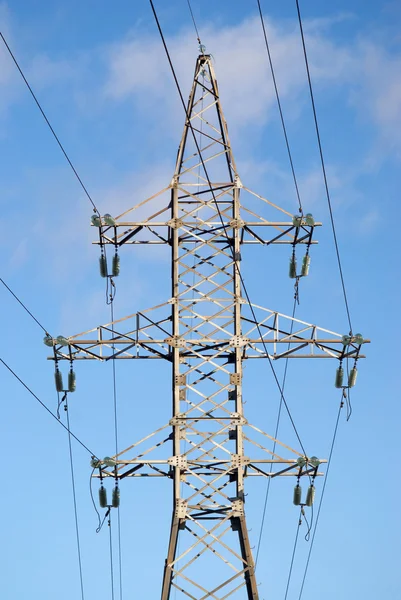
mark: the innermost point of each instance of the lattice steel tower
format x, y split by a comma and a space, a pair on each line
206, 330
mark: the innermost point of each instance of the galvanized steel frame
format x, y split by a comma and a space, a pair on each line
206, 330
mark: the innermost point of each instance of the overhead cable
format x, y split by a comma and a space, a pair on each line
75, 502
111, 556
293, 553
323, 167
279, 107
321, 499
223, 225
49, 124
46, 408
23, 306
116, 446
194, 22
275, 439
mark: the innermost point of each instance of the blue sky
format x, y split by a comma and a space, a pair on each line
101, 75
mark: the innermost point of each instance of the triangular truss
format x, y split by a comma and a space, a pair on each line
148, 334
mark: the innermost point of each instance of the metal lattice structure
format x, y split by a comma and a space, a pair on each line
206, 330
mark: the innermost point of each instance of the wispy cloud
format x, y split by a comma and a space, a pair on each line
137, 69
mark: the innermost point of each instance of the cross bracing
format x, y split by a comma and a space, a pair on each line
206, 329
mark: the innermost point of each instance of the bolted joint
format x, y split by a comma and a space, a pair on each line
237, 182
238, 341
237, 460
175, 341
238, 419
236, 223
178, 460
180, 508
175, 223
238, 508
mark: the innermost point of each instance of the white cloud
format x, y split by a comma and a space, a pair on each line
369, 222
44, 72
138, 66
380, 93
138, 69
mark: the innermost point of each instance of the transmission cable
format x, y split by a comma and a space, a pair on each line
275, 439
75, 501
49, 124
322, 496
23, 306
235, 262
46, 408
116, 445
111, 556
323, 167
194, 22
301, 211
70, 434
279, 107
293, 553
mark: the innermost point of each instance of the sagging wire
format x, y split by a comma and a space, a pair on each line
60, 403
110, 290
100, 520
347, 395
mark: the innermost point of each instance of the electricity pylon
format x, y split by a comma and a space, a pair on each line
206, 330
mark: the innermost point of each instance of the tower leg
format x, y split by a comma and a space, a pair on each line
246, 553
172, 547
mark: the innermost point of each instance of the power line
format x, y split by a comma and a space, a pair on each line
46, 408
194, 22
279, 107
223, 225
23, 306
75, 502
275, 440
323, 166
293, 554
49, 124
111, 556
69, 439
116, 447
321, 498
